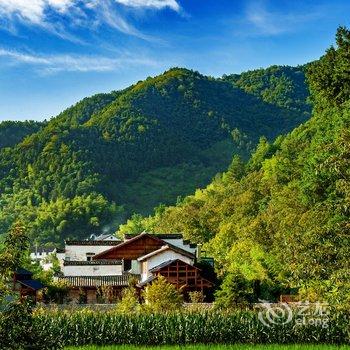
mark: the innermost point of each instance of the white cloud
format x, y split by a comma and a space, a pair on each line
29, 10
23, 57
156, 4
87, 13
32, 10
74, 63
61, 5
267, 22
106, 14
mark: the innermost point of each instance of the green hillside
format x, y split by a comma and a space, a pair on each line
12, 132
113, 154
283, 86
281, 220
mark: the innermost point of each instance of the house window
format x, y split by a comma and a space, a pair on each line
127, 265
89, 256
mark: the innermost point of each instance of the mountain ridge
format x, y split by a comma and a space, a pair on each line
280, 222
157, 133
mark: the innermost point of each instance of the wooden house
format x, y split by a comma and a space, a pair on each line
185, 277
91, 265
152, 255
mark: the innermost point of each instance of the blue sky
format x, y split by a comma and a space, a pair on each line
55, 52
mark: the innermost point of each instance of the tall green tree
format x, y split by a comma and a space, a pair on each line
13, 254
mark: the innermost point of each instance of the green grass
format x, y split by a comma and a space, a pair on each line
216, 347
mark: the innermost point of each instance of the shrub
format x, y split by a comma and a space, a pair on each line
162, 296
16, 325
105, 294
57, 291
234, 291
129, 303
196, 297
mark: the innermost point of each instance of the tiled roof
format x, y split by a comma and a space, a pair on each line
158, 235
126, 243
41, 250
163, 264
92, 262
97, 281
167, 236
192, 245
166, 247
103, 237
145, 282
103, 243
22, 271
32, 284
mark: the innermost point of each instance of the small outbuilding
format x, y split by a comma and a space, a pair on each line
25, 285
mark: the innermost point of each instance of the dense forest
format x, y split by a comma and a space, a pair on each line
110, 155
282, 86
281, 220
13, 132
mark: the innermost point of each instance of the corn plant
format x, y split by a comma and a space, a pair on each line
62, 328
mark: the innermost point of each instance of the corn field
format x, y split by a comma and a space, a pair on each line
55, 329
58, 329
215, 347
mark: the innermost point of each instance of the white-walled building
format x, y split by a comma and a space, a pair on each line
163, 254
92, 268
43, 255
91, 264
85, 250
40, 253
77, 260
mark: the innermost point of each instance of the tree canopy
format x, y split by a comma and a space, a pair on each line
110, 155
281, 220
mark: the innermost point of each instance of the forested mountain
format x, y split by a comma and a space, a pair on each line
283, 86
130, 150
282, 219
13, 132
